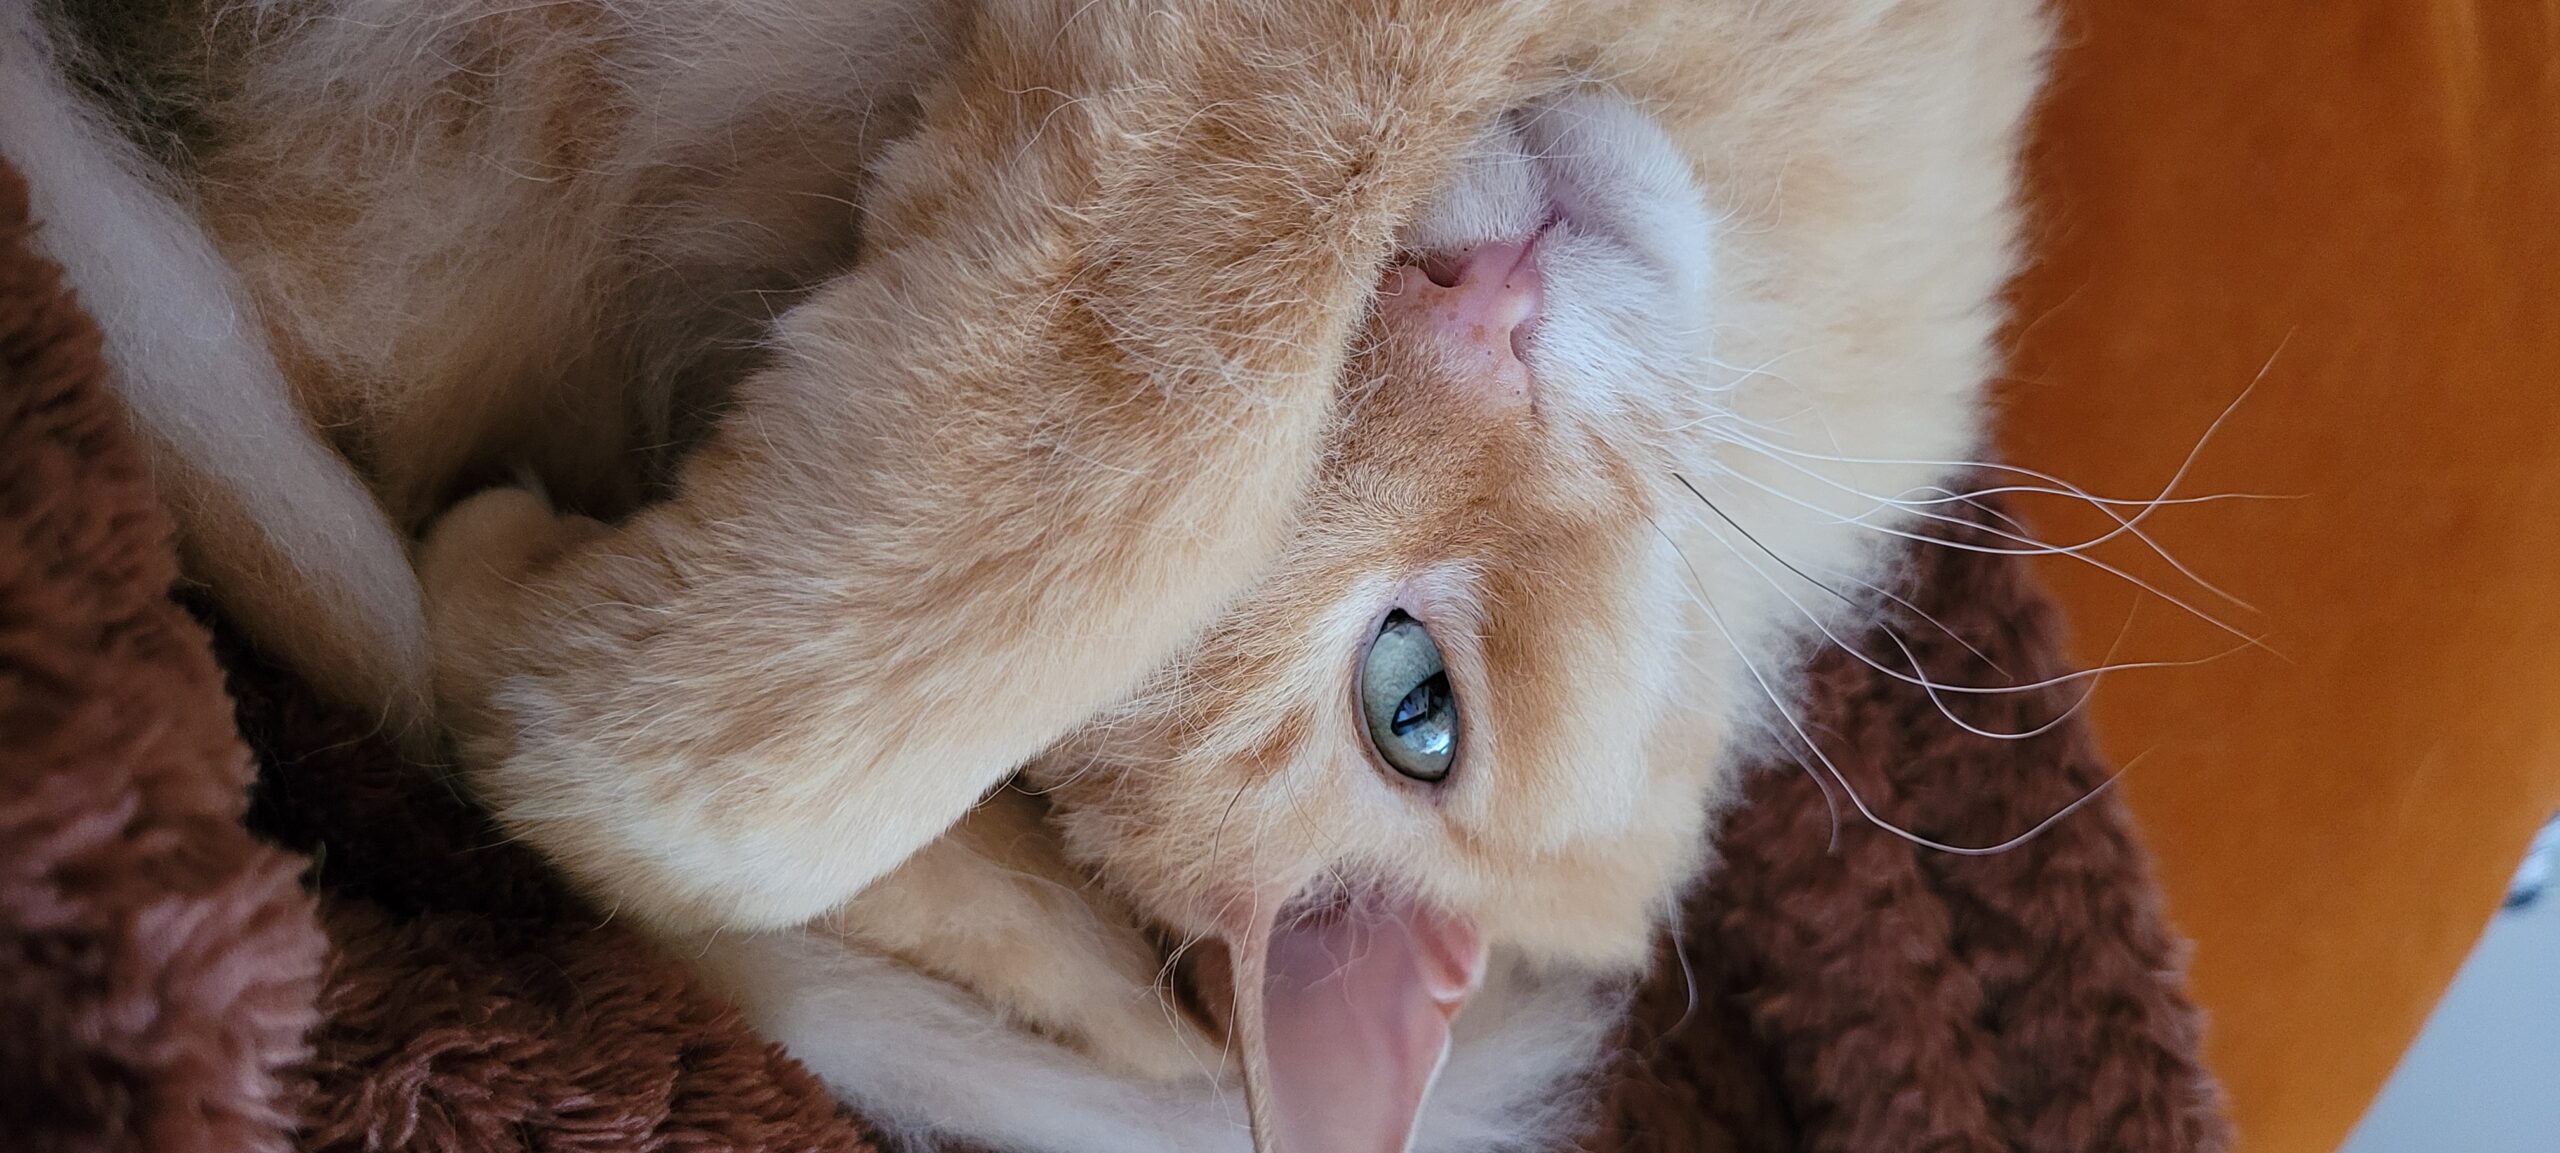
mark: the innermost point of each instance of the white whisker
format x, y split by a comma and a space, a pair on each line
1796, 725
1707, 601
2040, 549
1927, 685
2124, 525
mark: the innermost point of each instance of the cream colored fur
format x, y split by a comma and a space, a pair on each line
1084, 450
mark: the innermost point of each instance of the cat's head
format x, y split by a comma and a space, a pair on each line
1466, 712
1766, 306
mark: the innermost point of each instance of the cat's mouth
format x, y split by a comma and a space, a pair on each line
1341, 1008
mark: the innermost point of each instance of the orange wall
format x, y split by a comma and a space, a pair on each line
2368, 192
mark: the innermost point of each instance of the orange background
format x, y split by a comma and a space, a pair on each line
2366, 194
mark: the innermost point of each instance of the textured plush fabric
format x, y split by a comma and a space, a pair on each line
1833, 988
471, 1004
157, 963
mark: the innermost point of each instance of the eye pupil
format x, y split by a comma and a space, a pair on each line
1417, 704
1411, 714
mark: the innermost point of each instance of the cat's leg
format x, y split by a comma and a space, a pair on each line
996, 474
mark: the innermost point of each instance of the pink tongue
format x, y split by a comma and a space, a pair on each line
1355, 1024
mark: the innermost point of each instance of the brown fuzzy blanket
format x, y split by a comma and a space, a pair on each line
166, 984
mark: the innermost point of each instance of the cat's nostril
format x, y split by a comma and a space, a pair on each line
1443, 269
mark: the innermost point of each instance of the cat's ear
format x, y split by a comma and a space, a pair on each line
1344, 1022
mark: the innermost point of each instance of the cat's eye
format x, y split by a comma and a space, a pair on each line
1405, 699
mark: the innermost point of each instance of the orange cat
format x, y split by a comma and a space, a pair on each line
1363, 465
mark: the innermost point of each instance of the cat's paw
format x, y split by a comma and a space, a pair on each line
489, 542
475, 568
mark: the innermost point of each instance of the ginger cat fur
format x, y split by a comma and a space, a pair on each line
1104, 445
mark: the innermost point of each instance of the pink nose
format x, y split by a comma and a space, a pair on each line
1475, 307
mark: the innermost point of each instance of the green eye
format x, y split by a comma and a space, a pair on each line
1405, 698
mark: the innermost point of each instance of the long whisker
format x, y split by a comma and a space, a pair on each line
1878, 590
2248, 640
1688, 974
1970, 495
1795, 725
1922, 680
2124, 525
2021, 470
1864, 810
1916, 611
1707, 601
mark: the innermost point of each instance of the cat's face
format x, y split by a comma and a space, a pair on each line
1452, 718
